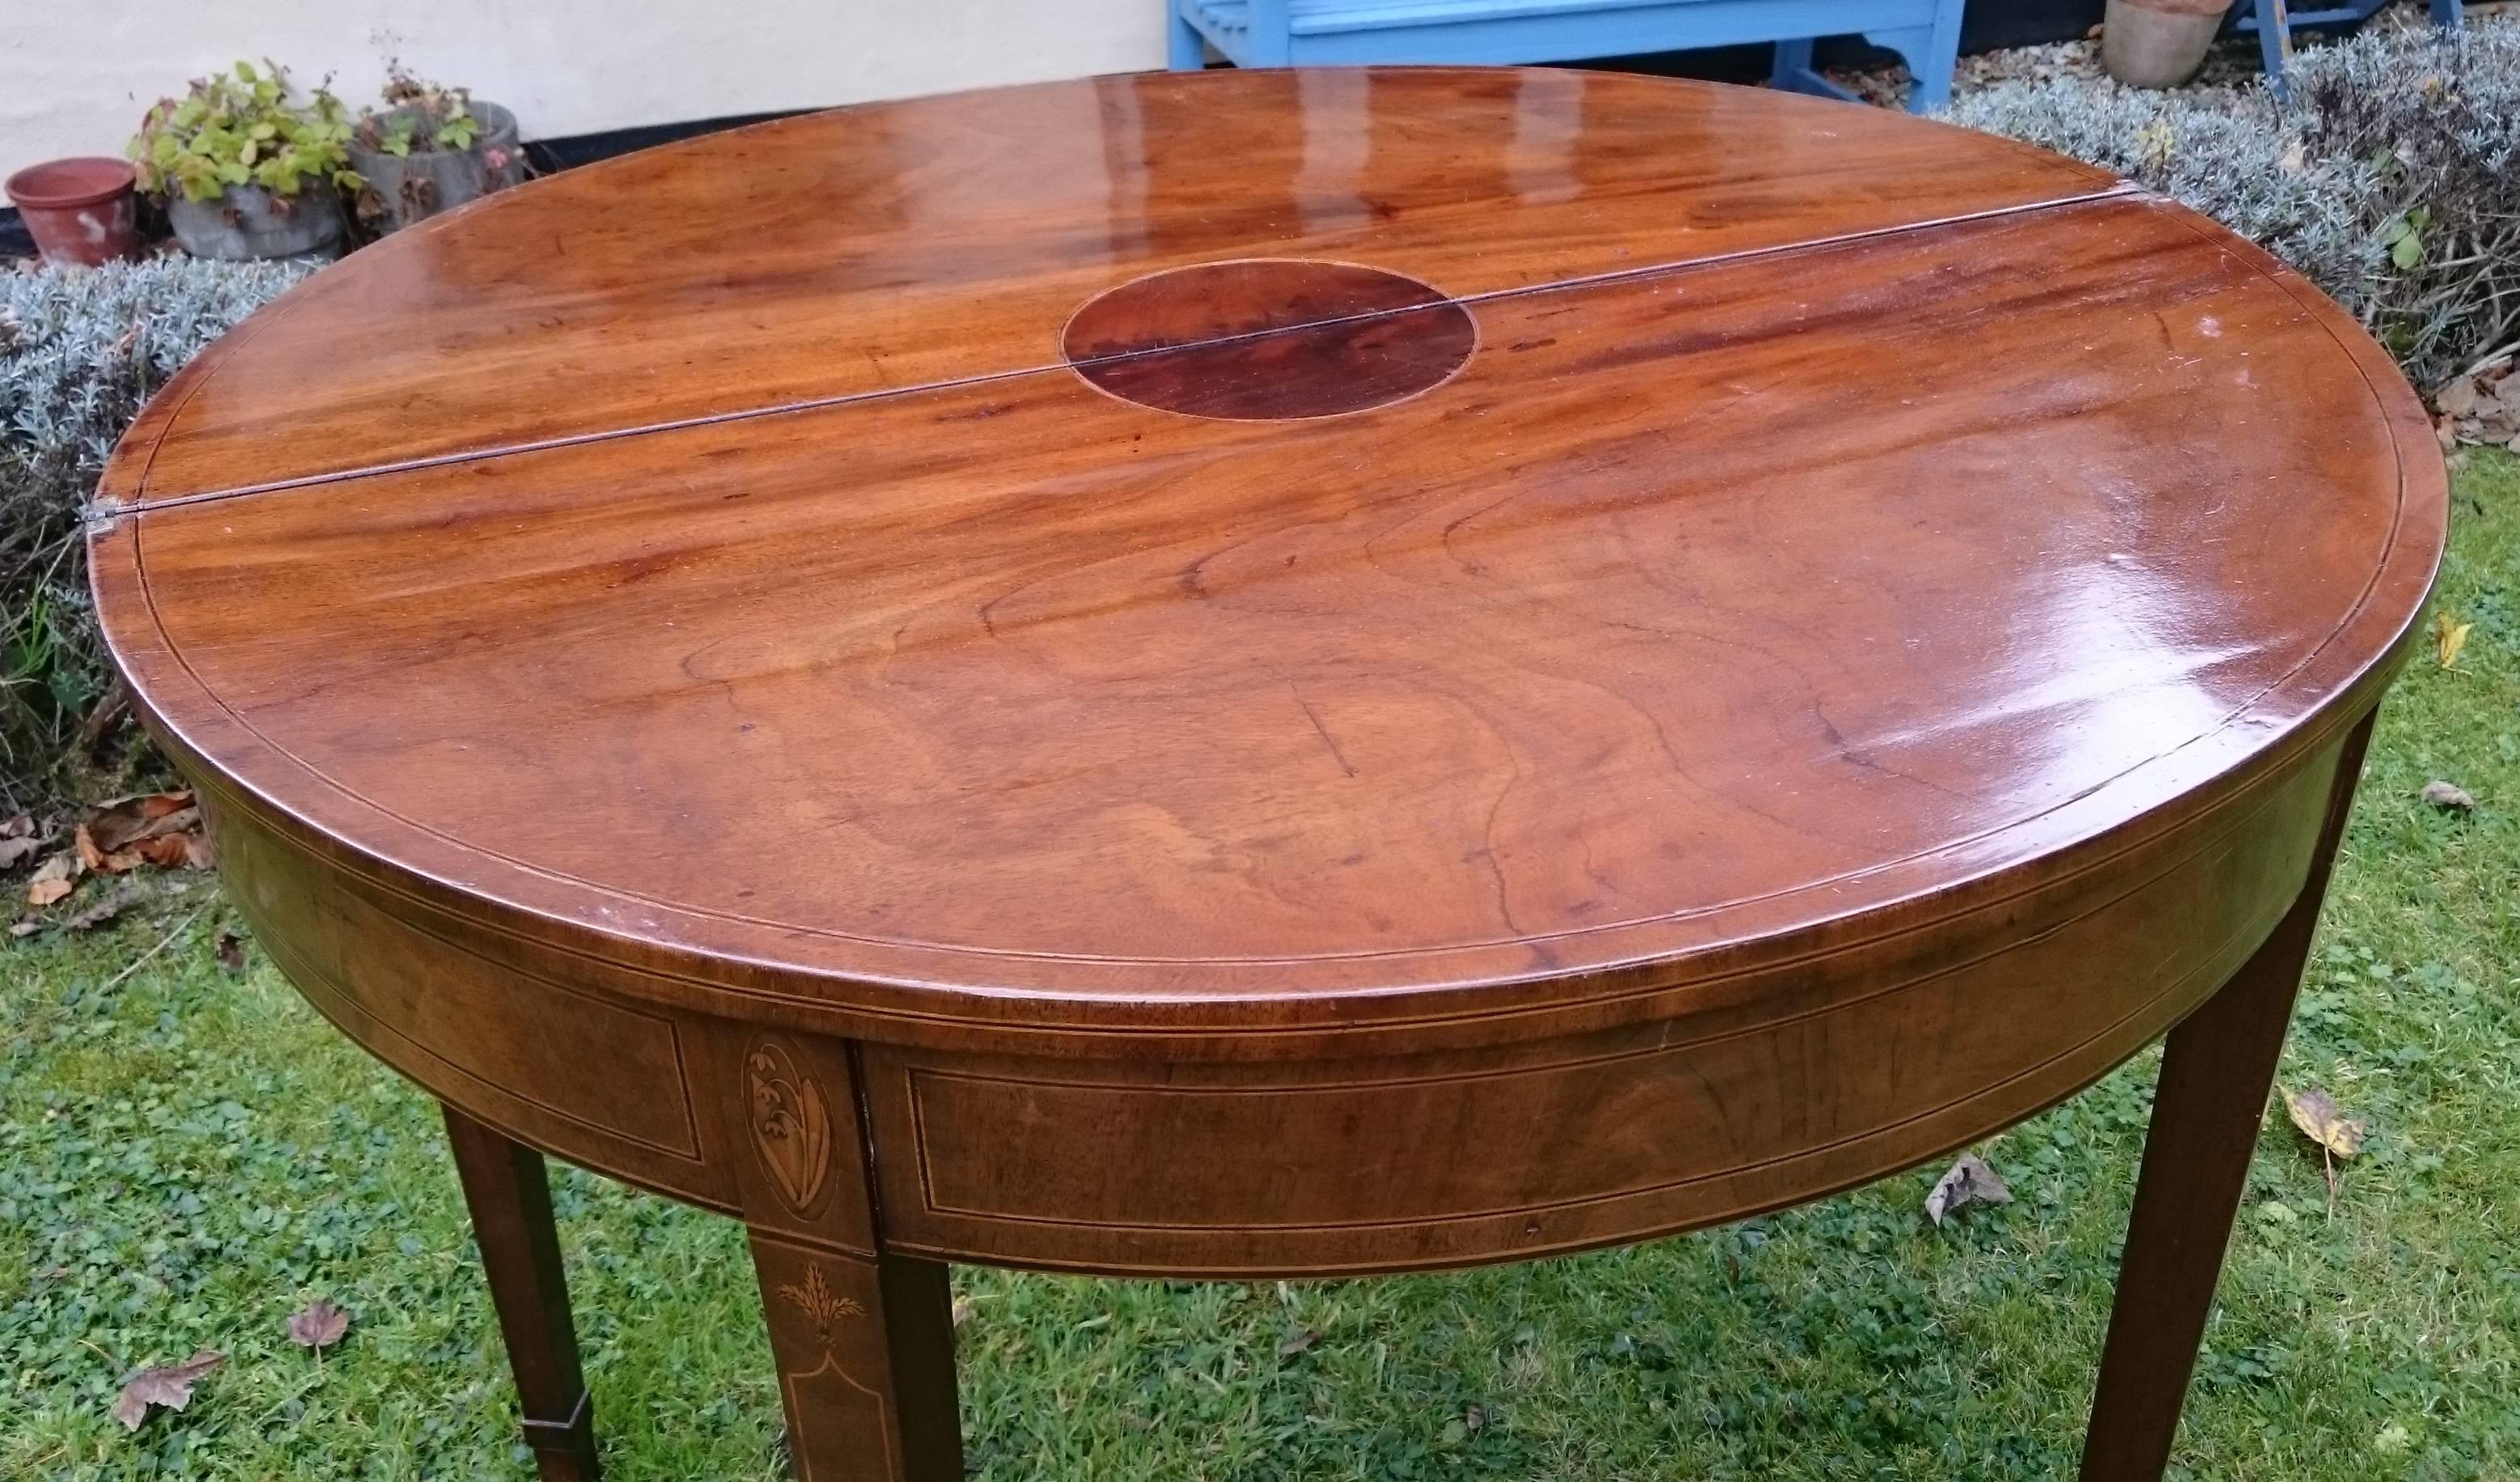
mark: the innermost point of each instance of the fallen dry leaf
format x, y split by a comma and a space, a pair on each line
1297, 1343
318, 1325
2449, 636
1969, 1181
2337, 1135
52, 880
2314, 1113
962, 1310
159, 828
1475, 1419
167, 1385
231, 955
2449, 797
19, 841
91, 917
2459, 398
125, 818
26, 926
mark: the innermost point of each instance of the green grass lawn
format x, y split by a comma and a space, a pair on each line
187, 1156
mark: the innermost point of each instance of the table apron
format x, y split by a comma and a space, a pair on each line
1842, 1070
1461, 1157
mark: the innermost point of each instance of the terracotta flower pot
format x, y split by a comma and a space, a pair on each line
2158, 43
81, 212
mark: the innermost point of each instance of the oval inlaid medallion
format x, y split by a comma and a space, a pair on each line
1269, 338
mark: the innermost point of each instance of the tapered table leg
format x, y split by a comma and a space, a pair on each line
509, 1192
865, 1350
2215, 1070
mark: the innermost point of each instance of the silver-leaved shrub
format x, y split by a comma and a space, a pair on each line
80, 349
2390, 176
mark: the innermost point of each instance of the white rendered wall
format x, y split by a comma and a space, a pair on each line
76, 74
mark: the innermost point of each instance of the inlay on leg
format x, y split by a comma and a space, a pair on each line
509, 1193
865, 1352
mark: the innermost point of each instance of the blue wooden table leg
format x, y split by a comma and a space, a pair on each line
2449, 15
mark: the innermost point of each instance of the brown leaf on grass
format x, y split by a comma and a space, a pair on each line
2337, 1135
97, 913
1969, 1181
2449, 636
141, 815
53, 879
1295, 1343
2459, 398
962, 1310
319, 1325
2316, 1114
2449, 797
19, 841
157, 829
231, 952
165, 1385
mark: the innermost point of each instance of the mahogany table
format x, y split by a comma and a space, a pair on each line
1265, 674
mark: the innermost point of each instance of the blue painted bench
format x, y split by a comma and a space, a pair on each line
2273, 21
1316, 33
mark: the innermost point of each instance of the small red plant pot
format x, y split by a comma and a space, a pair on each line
81, 212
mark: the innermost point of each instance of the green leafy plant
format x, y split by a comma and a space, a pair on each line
241, 128
419, 116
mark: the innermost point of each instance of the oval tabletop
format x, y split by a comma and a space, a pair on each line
1248, 551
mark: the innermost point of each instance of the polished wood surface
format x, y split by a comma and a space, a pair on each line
1666, 636
1566, 679
906, 243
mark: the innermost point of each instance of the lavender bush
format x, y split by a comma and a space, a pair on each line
2389, 178
80, 349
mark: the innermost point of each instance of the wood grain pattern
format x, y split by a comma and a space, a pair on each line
907, 243
1432, 1159
1721, 646
1271, 339
574, 1068
1664, 639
